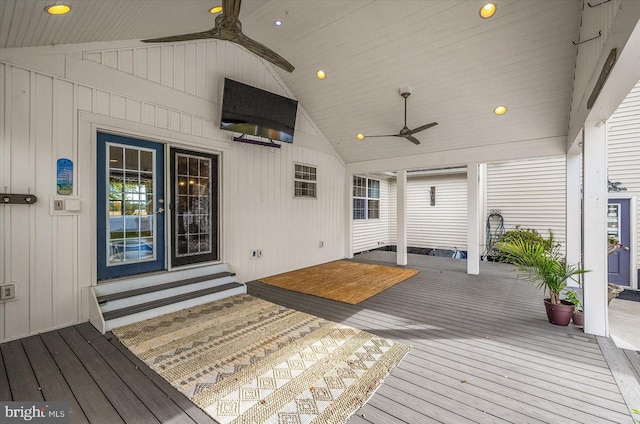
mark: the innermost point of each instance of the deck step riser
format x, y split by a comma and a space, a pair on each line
174, 307
148, 297
127, 301
118, 286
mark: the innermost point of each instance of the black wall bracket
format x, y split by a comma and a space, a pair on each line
577, 43
244, 139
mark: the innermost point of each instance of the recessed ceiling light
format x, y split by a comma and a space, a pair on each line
321, 74
277, 23
500, 110
360, 136
215, 9
57, 9
488, 10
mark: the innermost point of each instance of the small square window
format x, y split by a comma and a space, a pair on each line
304, 183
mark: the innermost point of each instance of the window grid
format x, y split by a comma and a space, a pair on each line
366, 198
305, 181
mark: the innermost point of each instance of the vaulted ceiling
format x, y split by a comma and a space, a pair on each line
459, 66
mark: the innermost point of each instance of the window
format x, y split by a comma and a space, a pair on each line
305, 182
366, 198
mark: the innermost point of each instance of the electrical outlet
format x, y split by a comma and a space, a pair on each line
321, 244
7, 292
254, 254
259, 253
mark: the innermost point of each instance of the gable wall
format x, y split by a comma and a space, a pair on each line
52, 109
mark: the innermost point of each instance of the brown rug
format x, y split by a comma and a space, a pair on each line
245, 360
344, 281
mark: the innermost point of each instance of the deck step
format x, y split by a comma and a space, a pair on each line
152, 289
167, 301
138, 298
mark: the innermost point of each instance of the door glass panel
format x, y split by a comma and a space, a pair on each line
193, 232
131, 232
613, 221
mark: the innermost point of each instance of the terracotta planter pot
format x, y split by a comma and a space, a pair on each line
578, 319
559, 314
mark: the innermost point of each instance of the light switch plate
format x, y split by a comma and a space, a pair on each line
65, 205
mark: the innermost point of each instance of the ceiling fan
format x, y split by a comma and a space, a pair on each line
405, 132
229, 28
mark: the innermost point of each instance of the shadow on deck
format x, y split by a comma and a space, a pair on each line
483, 352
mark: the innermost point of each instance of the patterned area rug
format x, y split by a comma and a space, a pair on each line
245, 360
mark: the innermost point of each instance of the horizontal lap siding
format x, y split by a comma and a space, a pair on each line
444, 224
373, 233
623, 140
530, 194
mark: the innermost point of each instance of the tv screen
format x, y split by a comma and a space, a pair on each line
252, 111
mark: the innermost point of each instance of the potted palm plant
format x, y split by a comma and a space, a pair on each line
543, 266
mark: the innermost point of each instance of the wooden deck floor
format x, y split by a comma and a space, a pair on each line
483, 352
102, 381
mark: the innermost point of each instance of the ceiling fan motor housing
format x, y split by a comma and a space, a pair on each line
405, 91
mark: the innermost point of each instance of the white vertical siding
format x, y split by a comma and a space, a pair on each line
623, 138
530, 194
373, 233
5, 155
174, 98
261, 211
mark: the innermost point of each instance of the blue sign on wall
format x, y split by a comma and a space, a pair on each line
64, 177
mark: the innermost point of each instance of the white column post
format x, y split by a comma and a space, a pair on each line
401, 230
595, 230
473, 219
348, 251
574, 208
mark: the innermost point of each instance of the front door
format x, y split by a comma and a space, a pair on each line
131, 223
618, 226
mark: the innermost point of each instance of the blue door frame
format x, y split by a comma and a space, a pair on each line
130, 203
619, 262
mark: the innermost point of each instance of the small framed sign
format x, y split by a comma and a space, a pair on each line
64, 177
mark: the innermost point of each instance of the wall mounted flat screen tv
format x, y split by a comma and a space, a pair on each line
252, 111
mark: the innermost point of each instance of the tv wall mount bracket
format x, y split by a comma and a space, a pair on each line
243, 139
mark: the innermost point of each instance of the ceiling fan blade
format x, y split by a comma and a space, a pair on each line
212, 33
262, 51
422, 128
231, 9
386, 135
412, 139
